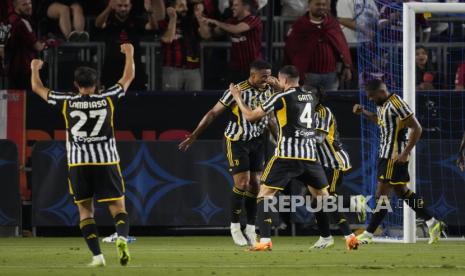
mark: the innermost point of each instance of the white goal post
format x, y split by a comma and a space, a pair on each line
408, 20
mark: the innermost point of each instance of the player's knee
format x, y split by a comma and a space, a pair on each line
266, 192
63, 11
242, 182
76, 9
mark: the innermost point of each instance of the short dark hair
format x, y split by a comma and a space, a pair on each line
373, 85
290, 71
85, 76
260, 64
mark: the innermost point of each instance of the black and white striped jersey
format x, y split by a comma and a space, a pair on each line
238, 128
331, 152
90, 138
393, 133
294, 110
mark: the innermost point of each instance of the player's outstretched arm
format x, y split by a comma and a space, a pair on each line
36, 82
460, 157
414, 136
203, 124
249, 114
129, 70
359, 110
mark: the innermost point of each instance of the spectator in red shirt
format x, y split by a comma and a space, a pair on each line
315, 44
120, 25
181, 33
22, 46
70, 15
245, 29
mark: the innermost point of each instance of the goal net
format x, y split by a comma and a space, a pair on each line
418, 49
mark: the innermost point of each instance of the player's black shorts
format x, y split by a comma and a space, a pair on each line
245, 156
280, 171
393, 172
334, 179
102, 182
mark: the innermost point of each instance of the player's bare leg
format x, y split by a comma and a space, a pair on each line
250, 202
325, 240
89, 231
118, 211
241, 182
435, 226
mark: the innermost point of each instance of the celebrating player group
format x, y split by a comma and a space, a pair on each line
261, 108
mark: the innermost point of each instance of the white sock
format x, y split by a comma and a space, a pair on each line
250, 227
236, 225
265, 240
430, 222
99, 256
368, 234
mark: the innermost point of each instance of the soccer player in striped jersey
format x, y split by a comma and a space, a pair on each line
333, 157
244, 147
295, 154
394, 117
93, 160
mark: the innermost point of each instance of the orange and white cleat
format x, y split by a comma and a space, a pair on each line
262, 246
352, 242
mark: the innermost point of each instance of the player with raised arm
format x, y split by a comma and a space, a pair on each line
394, 117
93, 160
244, 147
295, 155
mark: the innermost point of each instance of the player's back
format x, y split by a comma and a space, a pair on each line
89, 125
294, 110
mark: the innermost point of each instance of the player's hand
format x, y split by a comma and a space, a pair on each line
401, 158
127, 49
171, 13
235, 90
357, 109
186, 143
36, 64
274, 82
461, 162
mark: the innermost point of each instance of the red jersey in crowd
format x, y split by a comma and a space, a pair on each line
315, 47
184, 50
20, 48
246, 46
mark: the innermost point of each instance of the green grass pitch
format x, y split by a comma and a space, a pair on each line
218, 256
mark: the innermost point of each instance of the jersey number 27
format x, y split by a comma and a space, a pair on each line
76, 129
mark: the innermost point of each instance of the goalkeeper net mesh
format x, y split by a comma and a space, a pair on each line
440, 73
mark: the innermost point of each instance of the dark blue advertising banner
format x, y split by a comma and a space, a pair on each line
10, 200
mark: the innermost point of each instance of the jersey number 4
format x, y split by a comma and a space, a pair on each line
76, 129
306, 117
